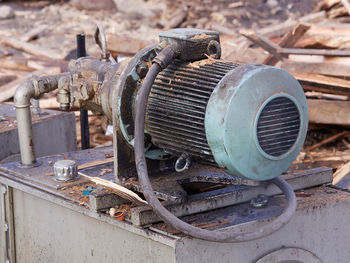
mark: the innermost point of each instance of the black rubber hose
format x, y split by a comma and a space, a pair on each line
164, 214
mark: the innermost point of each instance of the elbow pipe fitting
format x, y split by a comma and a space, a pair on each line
22, 97
32, 88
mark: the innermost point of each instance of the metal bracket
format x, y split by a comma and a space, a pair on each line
7, 233
231, 195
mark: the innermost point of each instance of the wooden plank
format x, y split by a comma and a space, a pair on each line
288, 40
346, 4
7, 91
117, 189
223, 29
16, 63
278, 52
263, 42
329, 112
317, 52
35, 50
332, 69
331, 29
325, 41
177, 18
124, 45
282, 28
336, 12
6, 78
35, 32
329, 84
94, 163
341, 173
329, 3
325, 96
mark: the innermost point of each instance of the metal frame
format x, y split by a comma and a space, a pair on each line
7, 231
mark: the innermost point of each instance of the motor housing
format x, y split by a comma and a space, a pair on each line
248, 119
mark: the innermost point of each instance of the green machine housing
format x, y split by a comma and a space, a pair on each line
249, 119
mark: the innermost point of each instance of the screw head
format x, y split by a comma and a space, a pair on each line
141, 70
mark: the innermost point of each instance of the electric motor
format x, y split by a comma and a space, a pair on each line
248, 119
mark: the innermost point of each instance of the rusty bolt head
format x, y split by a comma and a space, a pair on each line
86, 91
141, 70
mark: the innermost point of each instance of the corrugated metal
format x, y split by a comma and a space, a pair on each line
177, 104
278, 126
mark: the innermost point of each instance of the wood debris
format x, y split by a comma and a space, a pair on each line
116, 188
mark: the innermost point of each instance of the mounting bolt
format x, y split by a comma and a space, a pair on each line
259, 201
141, 70
86, 91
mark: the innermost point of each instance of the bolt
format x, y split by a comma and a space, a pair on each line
141, 70
86, 91
259, 201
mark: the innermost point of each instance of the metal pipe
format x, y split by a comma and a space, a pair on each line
84, 117
32, 88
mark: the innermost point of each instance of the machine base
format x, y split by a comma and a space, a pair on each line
42, 215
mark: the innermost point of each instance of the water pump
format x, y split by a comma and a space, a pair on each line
178, 103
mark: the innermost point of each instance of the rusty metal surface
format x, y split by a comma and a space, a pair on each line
231, 195
42, 176
308, 199
311, 202
224, 190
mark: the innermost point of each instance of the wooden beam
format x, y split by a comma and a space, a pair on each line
346, 4
282, 28
124, 45
263, 42
288, 40
6, 78
33, 33
329, 112
341, 173
117, 189
35, 50
322, 83
332, 69
317, 52
16, 63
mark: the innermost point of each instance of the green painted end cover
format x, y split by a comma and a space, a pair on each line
256, 121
